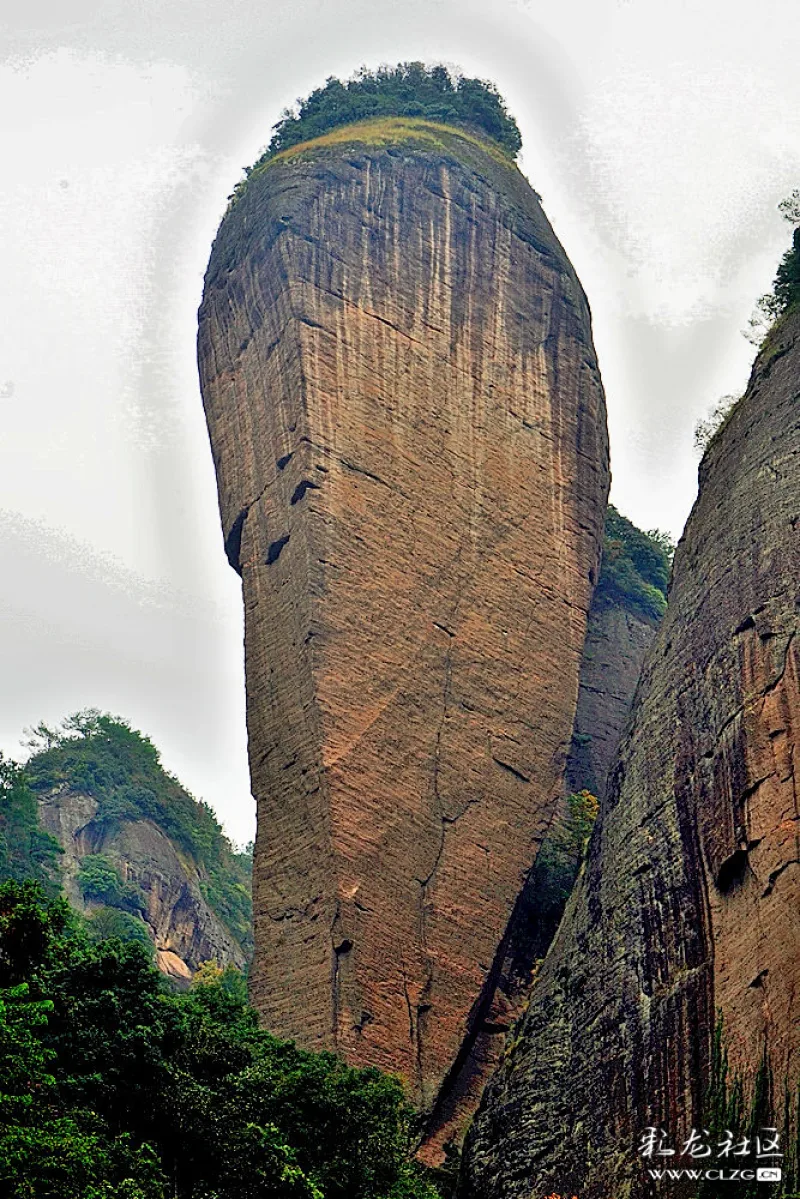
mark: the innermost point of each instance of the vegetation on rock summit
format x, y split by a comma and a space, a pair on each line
103, 757
408, 90
636, 567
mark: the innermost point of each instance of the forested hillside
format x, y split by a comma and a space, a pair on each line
94, 813
112, 1086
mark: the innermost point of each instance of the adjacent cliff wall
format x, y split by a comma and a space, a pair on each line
688, 903
408, 429
617, 640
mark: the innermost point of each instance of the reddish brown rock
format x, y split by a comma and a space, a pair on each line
689, 901
409, 435
617, 639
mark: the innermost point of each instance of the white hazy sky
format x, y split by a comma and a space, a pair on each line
660, 136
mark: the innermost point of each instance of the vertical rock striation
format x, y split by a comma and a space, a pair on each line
408, 430
617, 640
688, 904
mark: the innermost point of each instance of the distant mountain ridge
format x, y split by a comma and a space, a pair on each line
94, 814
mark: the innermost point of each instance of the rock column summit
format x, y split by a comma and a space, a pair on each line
687, 910
408, 430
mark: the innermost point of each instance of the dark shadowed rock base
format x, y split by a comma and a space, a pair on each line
616, 643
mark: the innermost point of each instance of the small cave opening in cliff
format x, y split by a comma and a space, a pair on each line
730, 875
301, 489
276, 549
233, 542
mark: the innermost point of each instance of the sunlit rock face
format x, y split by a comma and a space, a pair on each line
408, 429
617, 639
688, 905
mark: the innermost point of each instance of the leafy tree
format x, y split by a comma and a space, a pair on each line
706, 430
229, 980
26, 850
107, 923
50, 1148
28, 929
115, 1087
786, 288
635, 568
409, 89
785, 294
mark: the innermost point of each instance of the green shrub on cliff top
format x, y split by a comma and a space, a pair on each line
785, 294
636, 567
409, 89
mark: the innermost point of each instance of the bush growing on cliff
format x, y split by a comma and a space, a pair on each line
409, 89
110, 923
114, 1088
560, 856
99, 880
635, 568
550, 883
785, 294
706, 430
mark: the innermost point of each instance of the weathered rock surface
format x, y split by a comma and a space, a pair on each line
617, 640
689, 900
409, 435
184, 929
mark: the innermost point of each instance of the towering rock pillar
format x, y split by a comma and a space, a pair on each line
409, 436
688, 906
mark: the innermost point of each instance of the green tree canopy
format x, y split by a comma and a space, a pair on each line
409, 89
636, 567
112, 1086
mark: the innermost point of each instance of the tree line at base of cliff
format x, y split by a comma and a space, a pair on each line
115, 1086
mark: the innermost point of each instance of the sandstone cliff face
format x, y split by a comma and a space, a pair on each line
409, 435
617, 640
689, 900
184, 929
